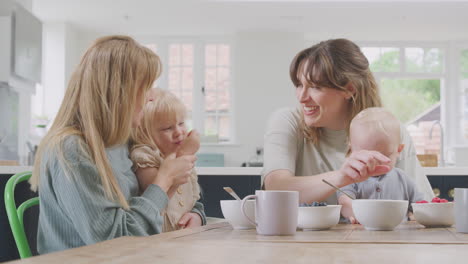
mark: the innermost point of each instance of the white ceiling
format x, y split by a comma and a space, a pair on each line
411, 19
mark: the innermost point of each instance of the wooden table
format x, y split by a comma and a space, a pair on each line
219, 243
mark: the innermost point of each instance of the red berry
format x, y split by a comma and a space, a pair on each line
443, 201
423, 201
436, 200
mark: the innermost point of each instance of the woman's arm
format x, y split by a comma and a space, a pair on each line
311, 188
146, 176
283, 141
358, 167
76, 187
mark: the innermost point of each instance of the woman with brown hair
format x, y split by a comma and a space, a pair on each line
88, 192
333, 84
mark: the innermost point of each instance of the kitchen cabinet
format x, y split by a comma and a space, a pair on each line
212, 191
5, 48
444, 185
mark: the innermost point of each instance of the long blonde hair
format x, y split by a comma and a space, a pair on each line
165, 106
334, 64
99, 105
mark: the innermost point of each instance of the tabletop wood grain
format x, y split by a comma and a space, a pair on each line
219, 243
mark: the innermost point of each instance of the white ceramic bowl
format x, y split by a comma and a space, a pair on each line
380, 214
434, 214
318, 217
232, 212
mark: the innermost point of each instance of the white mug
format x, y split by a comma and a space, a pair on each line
461, 210
275, 212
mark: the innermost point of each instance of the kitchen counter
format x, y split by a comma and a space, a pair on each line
9, 170
249, 171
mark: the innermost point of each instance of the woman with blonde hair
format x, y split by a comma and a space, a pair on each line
162, 133
333, 84
87, 190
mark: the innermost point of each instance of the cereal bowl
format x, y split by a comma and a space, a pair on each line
318, 217
434, 214
380, 214
232, 212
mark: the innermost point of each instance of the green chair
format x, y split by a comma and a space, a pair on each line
15, 215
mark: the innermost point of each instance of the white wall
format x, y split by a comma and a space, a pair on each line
53, 80
261, 85
61, 52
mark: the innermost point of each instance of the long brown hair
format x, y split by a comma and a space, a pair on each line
99, 105
334, 64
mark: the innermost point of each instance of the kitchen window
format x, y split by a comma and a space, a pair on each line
199, 73
411, 79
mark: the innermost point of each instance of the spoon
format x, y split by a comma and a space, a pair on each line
232, 193
338, 189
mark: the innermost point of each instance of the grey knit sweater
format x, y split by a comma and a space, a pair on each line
74, 210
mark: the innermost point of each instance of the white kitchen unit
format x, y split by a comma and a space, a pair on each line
5, 48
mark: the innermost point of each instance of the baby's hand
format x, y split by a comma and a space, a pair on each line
353, 220
190, 220
190, 145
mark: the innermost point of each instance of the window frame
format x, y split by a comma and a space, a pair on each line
449, 122
198, 111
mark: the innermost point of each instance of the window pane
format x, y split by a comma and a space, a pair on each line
187, 78
383, 59
224, 102
224, 128
210, 55
210, 126
187, 54
223, 55
222, 79
210, 79
174, 54
217, 87
210, 102
186, 98
423, 60
407, 99
174, 79
415, 103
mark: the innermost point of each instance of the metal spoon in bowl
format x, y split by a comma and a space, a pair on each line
232, 193
338, 189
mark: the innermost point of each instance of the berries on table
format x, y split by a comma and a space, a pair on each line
434, 200
423, 201
438, 200
313, 204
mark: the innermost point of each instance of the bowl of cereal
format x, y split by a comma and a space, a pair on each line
318, 216
382, 215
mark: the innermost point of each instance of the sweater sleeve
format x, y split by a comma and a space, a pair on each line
80, 194
199, 209
281, 142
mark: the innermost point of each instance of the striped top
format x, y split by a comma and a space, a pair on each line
74, 210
